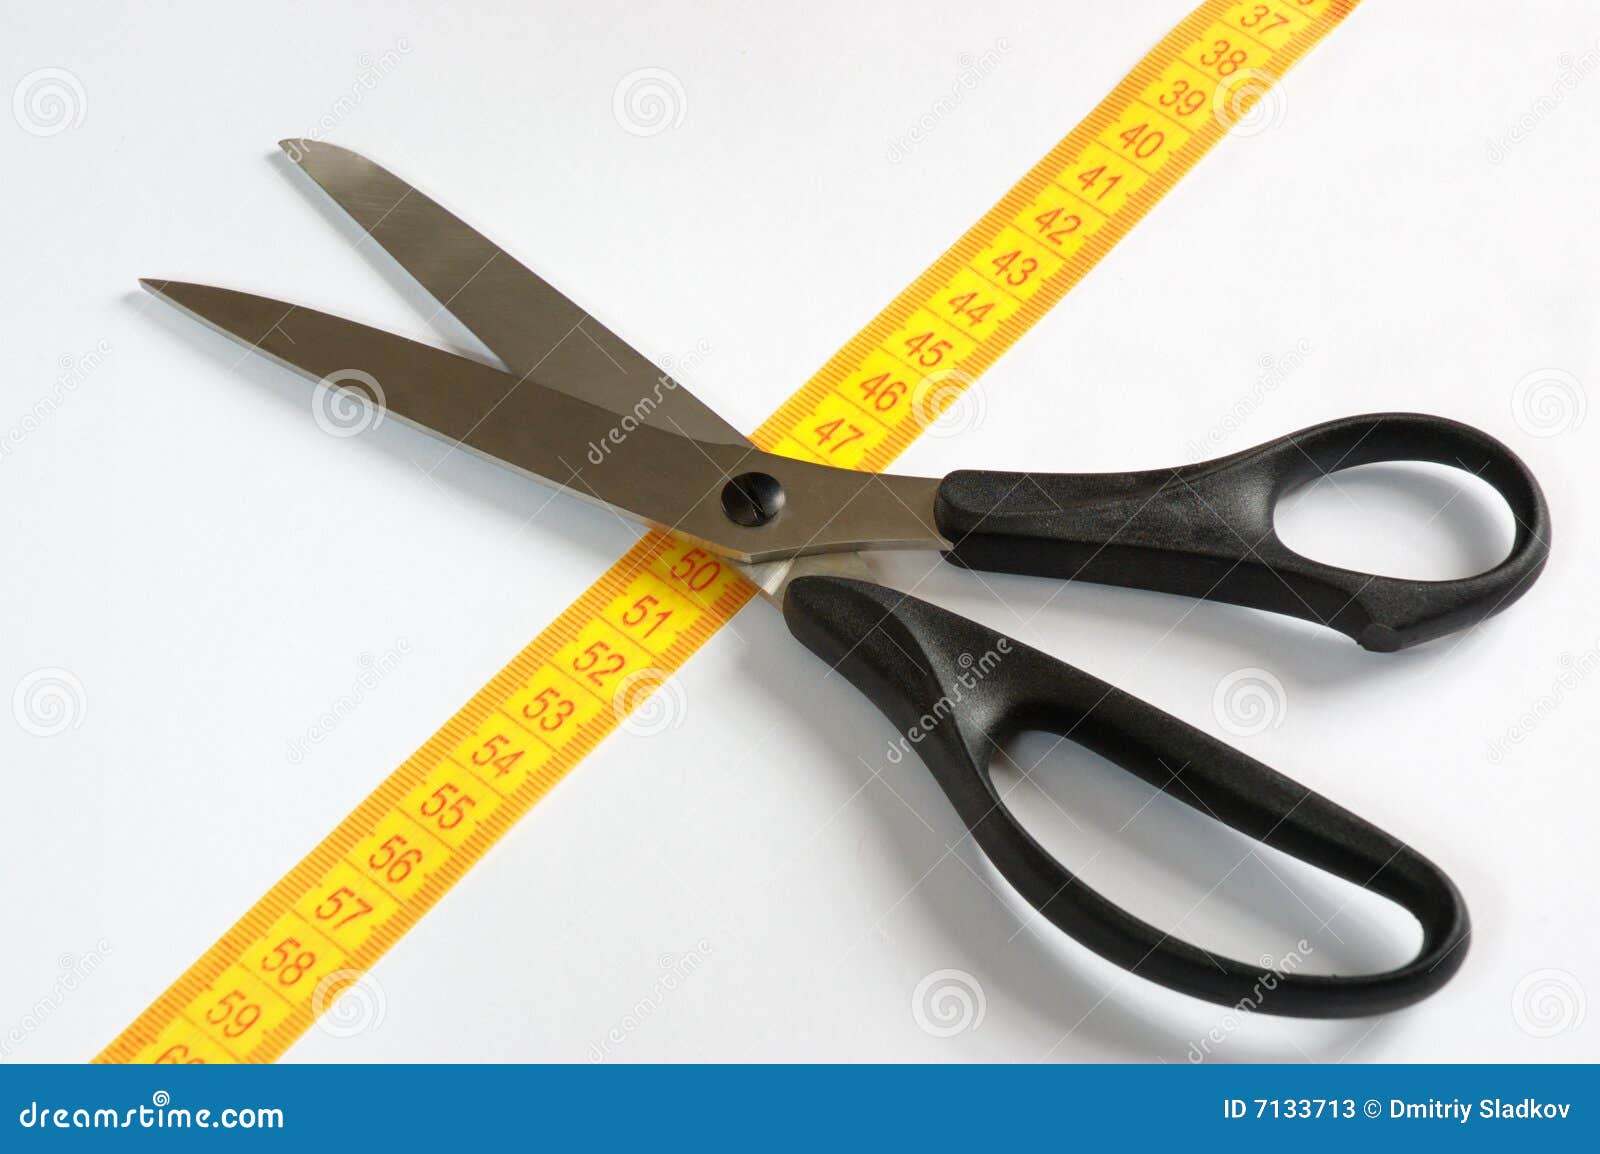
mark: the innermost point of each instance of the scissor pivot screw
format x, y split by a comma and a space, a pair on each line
752, 499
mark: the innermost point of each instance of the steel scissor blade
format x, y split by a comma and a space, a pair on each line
660, 478
521, 317
526, 321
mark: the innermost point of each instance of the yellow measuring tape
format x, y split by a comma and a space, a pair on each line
319, 929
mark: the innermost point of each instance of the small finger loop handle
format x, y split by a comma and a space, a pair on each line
1206, 530
957, 690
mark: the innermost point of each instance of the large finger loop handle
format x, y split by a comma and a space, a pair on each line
957, 690
1206, 530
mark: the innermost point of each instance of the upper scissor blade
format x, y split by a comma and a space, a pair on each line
521, 317
659, 477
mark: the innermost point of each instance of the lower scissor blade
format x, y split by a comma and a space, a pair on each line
661, 478
437, 391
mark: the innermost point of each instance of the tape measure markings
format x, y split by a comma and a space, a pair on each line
1147, 84
352, 897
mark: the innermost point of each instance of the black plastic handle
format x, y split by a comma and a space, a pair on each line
957, 689
1205, 530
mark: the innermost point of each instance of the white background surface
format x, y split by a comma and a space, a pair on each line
211, 568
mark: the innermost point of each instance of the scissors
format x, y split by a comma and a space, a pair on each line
582, 410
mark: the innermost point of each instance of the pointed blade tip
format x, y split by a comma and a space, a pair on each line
299, 148
165, 286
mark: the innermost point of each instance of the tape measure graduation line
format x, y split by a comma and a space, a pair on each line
303, 944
